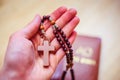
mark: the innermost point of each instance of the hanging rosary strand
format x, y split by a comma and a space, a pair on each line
65, 45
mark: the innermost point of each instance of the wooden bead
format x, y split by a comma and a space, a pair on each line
66, 40
71, 50
47, 17
71, 53
61, 42
58, 28
54, 31
52, 22
65, 49
61, 32
68, 43
63, 46
56, 35
69, 46
63, 35
59, 39
42, 20
68, 60
41, 27
71, 58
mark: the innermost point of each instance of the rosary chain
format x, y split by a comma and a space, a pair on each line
63, 41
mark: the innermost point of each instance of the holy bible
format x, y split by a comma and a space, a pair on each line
86, 59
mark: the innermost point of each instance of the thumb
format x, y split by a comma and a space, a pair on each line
31, 29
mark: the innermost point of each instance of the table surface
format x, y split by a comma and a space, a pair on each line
99, 18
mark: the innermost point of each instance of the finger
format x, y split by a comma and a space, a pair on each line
68, 16
60, 53
62, 21
56, 14
68, 29
32, 28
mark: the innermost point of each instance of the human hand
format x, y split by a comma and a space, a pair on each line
22, 60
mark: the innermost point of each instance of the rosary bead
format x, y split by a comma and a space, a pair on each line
69, 46
67, 54
61, 32
71, 58
59, 39
54, 31
68, 60
41, 27
68, 43
71, 53
42, 20
71, 50
52, 22
68, 57
58, 28
65, 49
47, 17
63, 46
66, 40
63, 35
56, 35
50, 19
42, 32
61, 42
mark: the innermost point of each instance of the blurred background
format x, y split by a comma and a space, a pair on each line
99, 18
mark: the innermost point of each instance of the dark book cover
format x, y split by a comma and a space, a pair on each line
86, 59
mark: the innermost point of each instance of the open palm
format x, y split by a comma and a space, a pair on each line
22, 58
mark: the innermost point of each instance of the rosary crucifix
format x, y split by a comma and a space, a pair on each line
46, 48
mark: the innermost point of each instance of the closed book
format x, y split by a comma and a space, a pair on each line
86, 59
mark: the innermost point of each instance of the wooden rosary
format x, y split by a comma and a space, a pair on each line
63, 41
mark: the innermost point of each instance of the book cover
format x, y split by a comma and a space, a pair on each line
86, 59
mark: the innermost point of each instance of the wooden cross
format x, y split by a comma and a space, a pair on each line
45, 49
